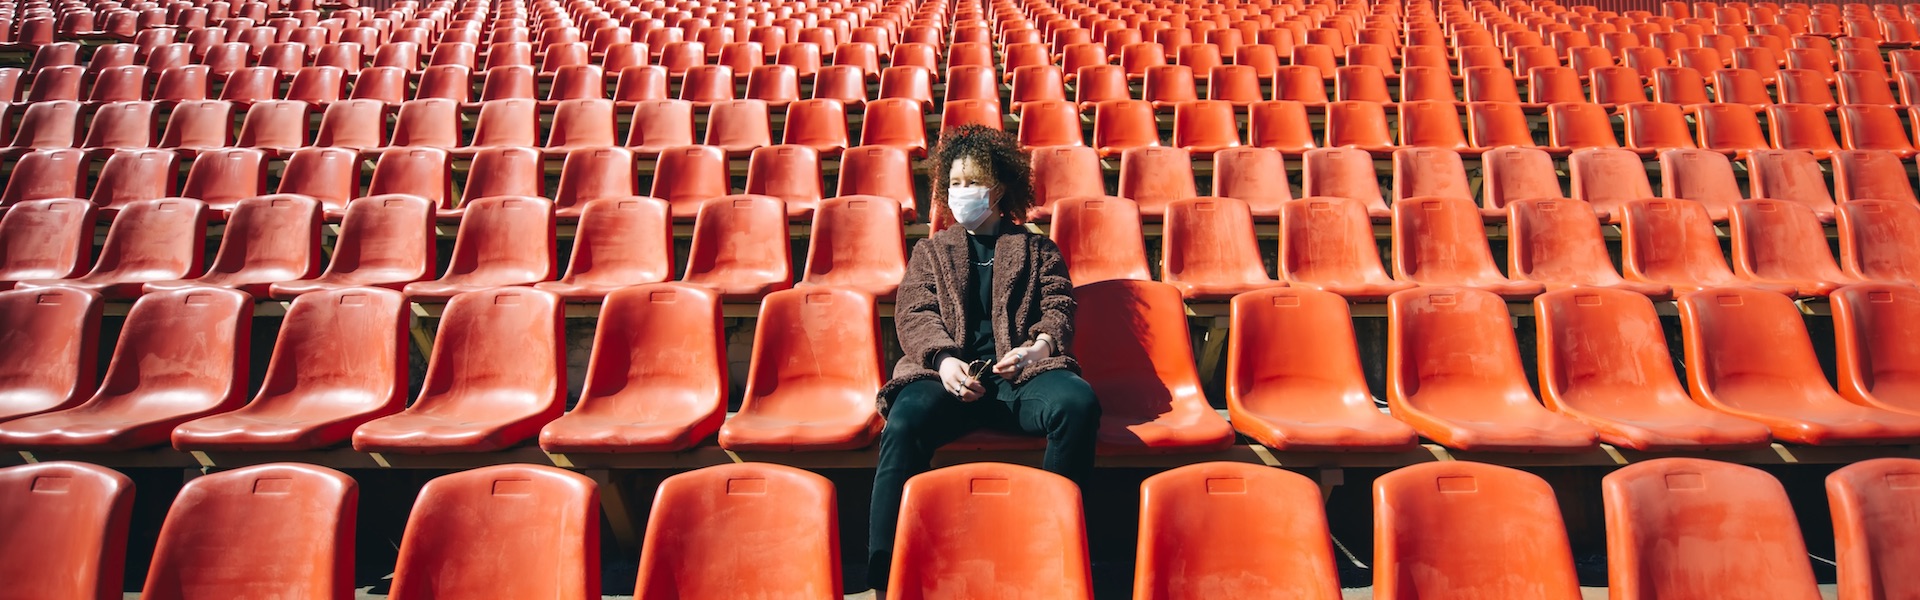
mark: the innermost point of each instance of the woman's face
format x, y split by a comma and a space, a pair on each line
967, 172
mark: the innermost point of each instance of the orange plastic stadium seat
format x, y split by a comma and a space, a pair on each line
1741, 86
1873, 501
151, 240
1209, 250
1875, 367
182, 355
1603, 360
583, 123
1557, 243
883, 171
740, 247
820, 124
1679, 85
1294, 380
1205, 127
1513, 174
1607, 178
1748, 354
659, 125
618, 242
46, 124
1431, 124
505, 123
1790, 175
49, 362
1696, 528
1361, 83
811, 386
1121, 125
788, 173
1729, 128
947, 546
1100, 239
692, 545
45, 239
1141, 366
506, 531
1652, 127
384, 241
589, 174
1868, 127
503, 240
657, 378
1575, 126
225, 176
1224, 529
1155, 177
422, 172
1801, 127
1491, 125
134, 175
1436, 526
1281, 125
1870, 175
1439, 241
1703, 176
1874, 243
353, 125
1783, 242
1327, 243
1344, 173
857, 243
1063, 172
1467, 394
1429, 172
1358, 124
896, 122
268, 240
1673, 242
1256, 176
46, 175
340, 361
66, 525
497, 375
286, 527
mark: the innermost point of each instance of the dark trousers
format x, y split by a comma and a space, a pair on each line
924, 417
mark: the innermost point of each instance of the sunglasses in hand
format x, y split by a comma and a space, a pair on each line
978, 369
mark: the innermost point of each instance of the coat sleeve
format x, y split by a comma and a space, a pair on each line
1056, 297
923, 333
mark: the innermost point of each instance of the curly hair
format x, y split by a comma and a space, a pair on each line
997, 151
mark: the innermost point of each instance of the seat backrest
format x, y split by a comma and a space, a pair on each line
497, 351
1871, 175
1776, 239
386, 233
1874, 365
1874, 503
1876, 240
1703, 176
509, 531
788, 352
340, 348
181, 351
700, 518
1319, 344
286, 527
1695, 528
276, 237
1663, 239
131, 175
590, 174
66, 525
1245, 529
1440, 239
856, 240
163, 239
511, 237
731, 237
48, 361
1791, 175
1435, 531
1139, 361
1607, 177
1602, 348
505, 171
1438, 337
1749, 339
1257, 176
1429, 172
1511, 174
1556, 240
959, 510
46, 239
46, 174
1210, 239
1099, 239
1328, 240
1341, 173
663, 342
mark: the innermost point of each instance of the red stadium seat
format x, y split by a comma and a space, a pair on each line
1607, 178
740, 247
505, 530
1429, 172
788, 173
1280, 125
1779, 242
1603, 361
1436, 524
1703, 176
1243, 529
1792, 176
1440, 242
502, 241
1875, 368
1306, 393
1873, 245
1673, 242
699, 517
1209, 252
1256, 176
46, 239
659, 125
1748, 355
422, 172
811, 387
182, 355
154, 240
1870, 501
1100, 239
1735, 522
949, 514
590, 174
66, 525
883, 171
1327, 244
856, 243
50, 364
384, 241
1557, 243
669, 336
1155, 177
1142, 369
618, 242
282, 526
46, 175
131, 176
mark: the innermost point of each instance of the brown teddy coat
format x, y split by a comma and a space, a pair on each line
1032, 295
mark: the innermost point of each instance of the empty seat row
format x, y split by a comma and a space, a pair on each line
1257, 531
658, 377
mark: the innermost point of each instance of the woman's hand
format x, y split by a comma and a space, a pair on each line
1012, 362
953, 375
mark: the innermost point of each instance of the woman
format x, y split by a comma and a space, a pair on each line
985, 317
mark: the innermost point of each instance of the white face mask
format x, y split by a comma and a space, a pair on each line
970, 206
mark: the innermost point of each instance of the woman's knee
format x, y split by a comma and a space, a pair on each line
1070, 399
914, 406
